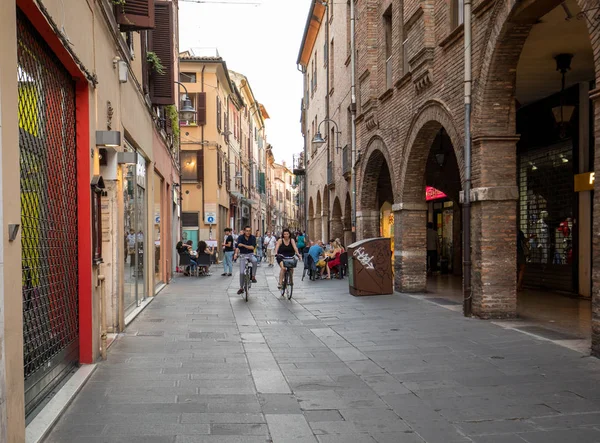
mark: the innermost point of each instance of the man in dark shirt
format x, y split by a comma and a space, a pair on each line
228, 253
245, 249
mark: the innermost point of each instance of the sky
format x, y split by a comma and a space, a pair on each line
262, 42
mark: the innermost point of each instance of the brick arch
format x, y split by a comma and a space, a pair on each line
422, 132
311, 219
319, 206
376, 157
347, 213
494, 104
311, 208
317, 221
336, 223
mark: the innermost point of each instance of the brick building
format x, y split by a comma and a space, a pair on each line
533, 132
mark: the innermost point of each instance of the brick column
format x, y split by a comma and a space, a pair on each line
410, 247
595, 97
324, 226
494, 227
336, 228
367, 224
318, 228
311, 229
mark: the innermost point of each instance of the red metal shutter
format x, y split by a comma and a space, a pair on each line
201, 108
135, 15
162, 86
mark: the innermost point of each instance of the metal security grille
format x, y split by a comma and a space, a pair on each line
546, 202
48, 216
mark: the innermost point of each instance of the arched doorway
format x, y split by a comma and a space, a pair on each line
533, 134
318, 227
325, 216
337, 225
376, 190
426, 221
311, 220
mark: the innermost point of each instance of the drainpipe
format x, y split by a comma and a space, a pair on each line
467, 302
103, 335
327, 85
353, 112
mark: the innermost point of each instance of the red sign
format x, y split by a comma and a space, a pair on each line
433, 194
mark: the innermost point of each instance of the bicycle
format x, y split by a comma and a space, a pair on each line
247, 279
287, 287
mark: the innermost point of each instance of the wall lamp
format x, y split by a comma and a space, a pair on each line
108, 139
127, 158
319, 140
187, 111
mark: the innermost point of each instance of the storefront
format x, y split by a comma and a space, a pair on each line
134, 222
159, 277
440, 212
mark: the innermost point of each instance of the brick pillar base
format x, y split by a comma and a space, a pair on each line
347, 239
494, 252
318, 229
410, 244
367, 224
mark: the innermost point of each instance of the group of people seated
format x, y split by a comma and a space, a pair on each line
326, 259
195, 261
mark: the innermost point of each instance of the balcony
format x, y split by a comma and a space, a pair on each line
346, 162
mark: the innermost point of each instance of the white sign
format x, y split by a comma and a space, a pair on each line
210, 218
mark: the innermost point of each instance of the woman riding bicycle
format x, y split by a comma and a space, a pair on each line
285, 248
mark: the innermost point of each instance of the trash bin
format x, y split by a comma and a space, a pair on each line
370, 267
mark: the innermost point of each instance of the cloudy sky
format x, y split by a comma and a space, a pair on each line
261, 42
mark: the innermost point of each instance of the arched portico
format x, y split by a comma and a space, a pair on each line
337, 225
430, 126
376, 187
506, 194
318, 219
311, 220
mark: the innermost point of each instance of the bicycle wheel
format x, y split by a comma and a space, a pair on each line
284, 284
289, 287
246, 287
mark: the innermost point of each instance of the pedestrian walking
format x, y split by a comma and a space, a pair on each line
433, 246
269, 243
228, 253
259, 247
301, 241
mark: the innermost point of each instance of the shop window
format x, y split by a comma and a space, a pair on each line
546, 196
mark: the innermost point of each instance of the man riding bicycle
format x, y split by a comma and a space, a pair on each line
245, 250
285, 248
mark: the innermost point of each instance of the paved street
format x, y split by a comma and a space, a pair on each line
201, 365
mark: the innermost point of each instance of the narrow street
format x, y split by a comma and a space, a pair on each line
201, 365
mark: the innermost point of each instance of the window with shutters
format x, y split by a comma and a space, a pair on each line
219, 114
135, 15
201, 108
187, 77
162, 85
189, 219
220, 168
189, 166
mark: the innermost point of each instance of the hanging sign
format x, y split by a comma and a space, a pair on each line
585, 181
433, 194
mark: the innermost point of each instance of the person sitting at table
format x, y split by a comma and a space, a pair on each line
186, 249
335, 252
203, 248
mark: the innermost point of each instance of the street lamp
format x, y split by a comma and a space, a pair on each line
187, 111
319, 140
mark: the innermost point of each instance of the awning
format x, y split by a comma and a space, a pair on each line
250, 202
236, 195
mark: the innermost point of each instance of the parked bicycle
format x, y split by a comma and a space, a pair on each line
287, 285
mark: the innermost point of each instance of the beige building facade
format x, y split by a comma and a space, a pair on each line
85, 137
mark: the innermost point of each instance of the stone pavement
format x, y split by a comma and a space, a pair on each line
201, 365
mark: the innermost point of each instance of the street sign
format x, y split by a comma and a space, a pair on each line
210, 218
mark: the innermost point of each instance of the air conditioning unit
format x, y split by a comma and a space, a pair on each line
245, 211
